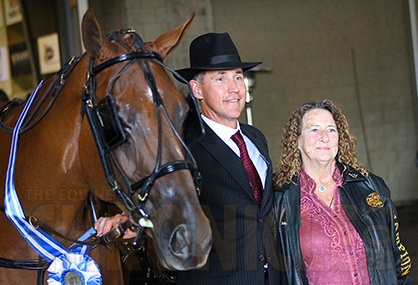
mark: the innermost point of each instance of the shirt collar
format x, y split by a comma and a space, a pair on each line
222, 131
308, 184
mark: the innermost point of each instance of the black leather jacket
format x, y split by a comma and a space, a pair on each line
374, 218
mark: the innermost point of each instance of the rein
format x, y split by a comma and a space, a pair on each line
40, 264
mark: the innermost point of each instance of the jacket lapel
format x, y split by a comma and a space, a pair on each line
233, 164
227, 158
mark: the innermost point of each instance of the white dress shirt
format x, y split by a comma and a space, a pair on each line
225, 133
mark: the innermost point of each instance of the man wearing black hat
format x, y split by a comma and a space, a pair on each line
236, 200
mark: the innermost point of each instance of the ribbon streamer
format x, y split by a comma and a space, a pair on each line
46, 247
65, 263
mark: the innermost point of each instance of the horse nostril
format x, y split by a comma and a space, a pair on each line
179, 241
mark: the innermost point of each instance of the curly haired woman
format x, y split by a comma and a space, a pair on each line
336, 223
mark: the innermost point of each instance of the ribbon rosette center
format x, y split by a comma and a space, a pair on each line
74, 269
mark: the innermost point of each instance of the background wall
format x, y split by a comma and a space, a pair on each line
151, 19
356, 53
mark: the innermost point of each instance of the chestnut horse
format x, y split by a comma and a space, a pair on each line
108, 126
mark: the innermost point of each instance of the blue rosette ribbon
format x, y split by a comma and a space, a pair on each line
74, 268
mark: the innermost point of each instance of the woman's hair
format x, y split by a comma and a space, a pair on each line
291, 161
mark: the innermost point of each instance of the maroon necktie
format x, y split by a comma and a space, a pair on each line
250, 169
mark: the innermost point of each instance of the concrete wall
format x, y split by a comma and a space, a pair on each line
152, 18
356, 53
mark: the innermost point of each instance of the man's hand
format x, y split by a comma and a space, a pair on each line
105, 224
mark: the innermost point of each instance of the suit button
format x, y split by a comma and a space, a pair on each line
261, 257
260, 220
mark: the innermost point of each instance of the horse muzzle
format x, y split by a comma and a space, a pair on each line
187, 248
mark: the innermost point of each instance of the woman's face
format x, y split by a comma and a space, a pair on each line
318, 141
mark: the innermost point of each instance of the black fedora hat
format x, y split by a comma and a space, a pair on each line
213, 51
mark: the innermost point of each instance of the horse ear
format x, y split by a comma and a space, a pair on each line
165, 44
94, 40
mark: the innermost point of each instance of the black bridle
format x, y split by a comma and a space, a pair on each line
105, 110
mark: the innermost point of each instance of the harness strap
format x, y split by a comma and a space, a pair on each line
125, 57
41, 273
91, 241
164, 170
54, 87
24, 264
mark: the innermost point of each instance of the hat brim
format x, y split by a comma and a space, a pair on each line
189, 73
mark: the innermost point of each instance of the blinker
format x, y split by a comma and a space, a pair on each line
108, 122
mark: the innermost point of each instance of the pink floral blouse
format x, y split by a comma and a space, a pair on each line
332, 250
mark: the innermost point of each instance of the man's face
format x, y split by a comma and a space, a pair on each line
222, 95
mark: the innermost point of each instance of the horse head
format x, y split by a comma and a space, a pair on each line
137, 119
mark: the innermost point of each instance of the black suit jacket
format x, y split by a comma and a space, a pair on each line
241, 231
